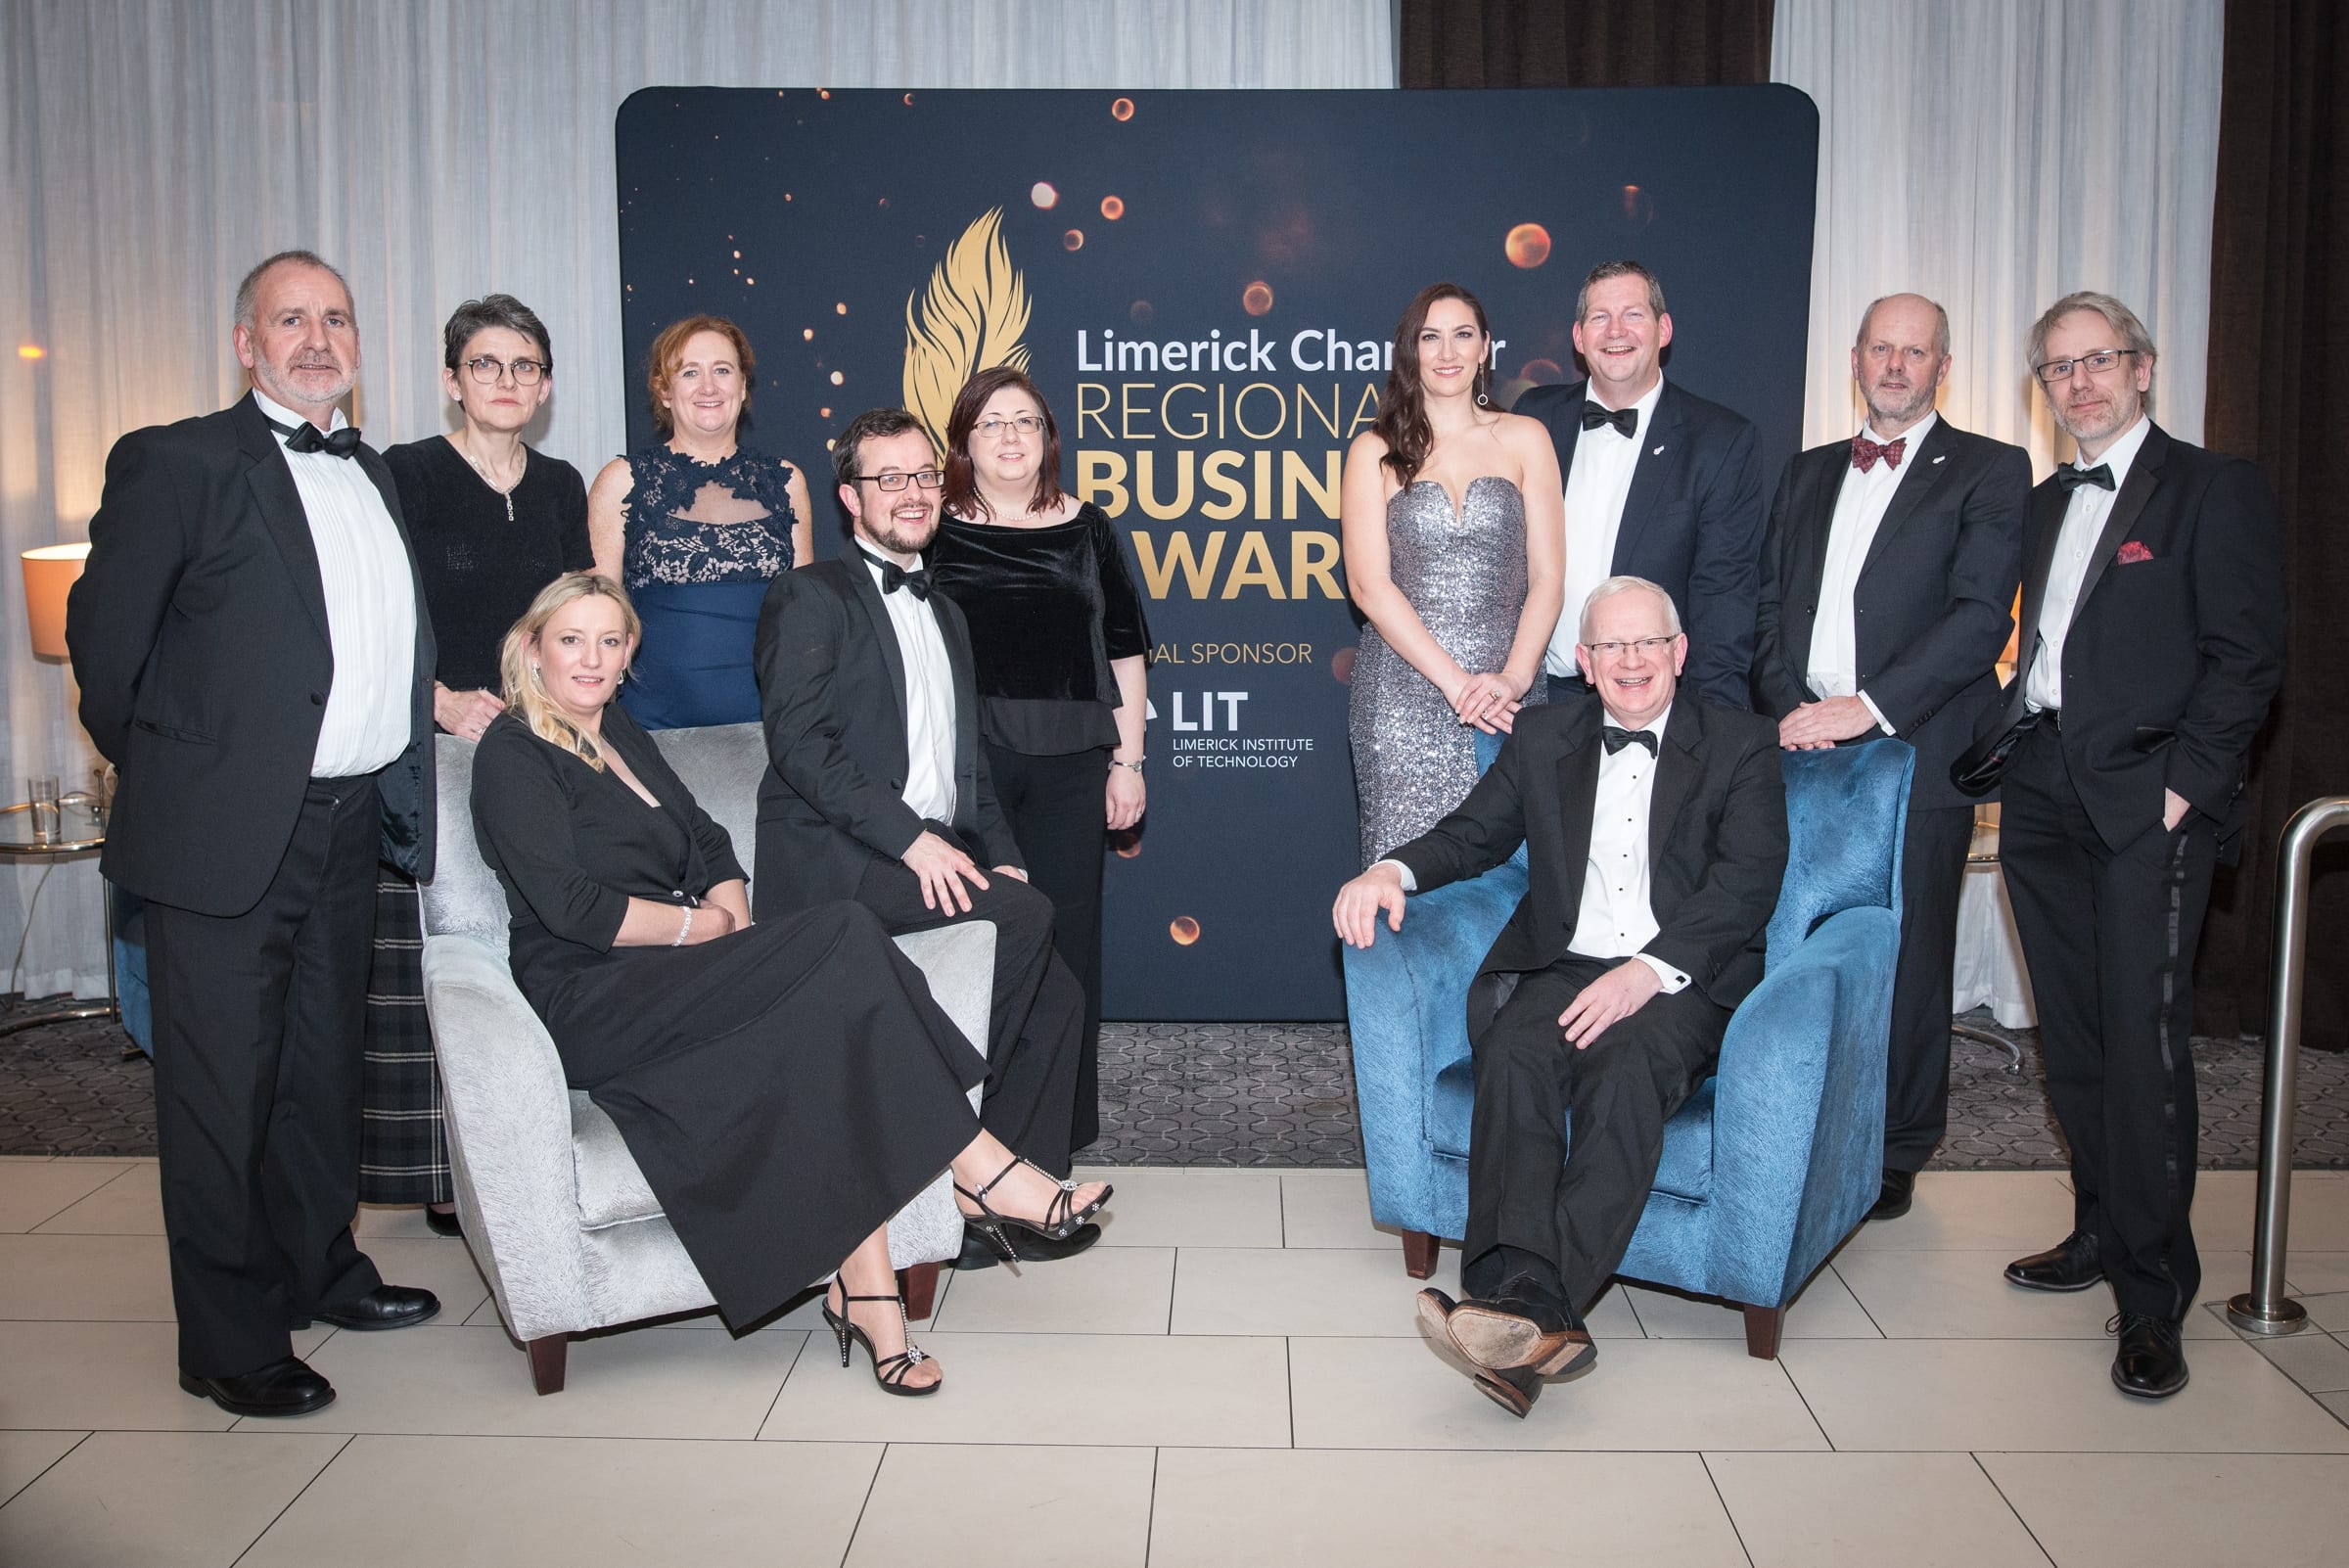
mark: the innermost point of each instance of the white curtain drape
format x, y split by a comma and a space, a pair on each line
1996, 155
151, 150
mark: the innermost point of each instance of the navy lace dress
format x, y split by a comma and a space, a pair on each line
703, 541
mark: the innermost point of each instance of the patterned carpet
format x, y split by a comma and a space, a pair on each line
1259, 1094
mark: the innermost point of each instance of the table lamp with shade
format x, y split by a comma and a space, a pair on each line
50, 572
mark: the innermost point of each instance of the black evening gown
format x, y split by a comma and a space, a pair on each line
785, 1089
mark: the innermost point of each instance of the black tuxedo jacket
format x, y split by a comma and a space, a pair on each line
198, 639
2175, 645
832, 693
1716, 834
1692, 523
1934, 600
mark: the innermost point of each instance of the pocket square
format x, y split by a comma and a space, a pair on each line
2132, 552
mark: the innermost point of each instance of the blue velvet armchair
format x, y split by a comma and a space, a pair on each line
1777, 1156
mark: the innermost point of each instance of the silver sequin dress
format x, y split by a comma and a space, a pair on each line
1413, 759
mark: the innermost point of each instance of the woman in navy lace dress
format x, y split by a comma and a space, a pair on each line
697, 526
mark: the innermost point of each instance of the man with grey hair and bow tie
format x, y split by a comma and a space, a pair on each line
1655, 831
2152, 643
252, 652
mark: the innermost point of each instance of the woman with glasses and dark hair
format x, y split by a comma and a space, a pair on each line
696, 526
1454, 527
491, 523
1059, 647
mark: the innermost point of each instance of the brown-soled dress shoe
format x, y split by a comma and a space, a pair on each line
1514, 1389
383, 1306
284, 1387
2072, 1264
1894, 1198
1512, 1333
2150, 1364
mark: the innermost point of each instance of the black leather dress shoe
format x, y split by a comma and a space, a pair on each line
281, 1388
1032, 1248
441, 1224
2072, 1264
1894, 1198
2151, 1361
383, 1306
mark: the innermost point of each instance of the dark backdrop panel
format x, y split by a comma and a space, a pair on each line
1274, 221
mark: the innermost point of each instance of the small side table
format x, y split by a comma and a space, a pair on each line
81, 828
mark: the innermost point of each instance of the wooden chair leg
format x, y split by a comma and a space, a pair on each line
1763, 1325
1419, 1254
919, 1286
546, 1362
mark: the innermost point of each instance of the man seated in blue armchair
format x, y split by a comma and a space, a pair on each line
1656, 837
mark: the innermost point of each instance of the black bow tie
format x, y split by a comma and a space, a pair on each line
307, 437
894, 576
2071, 478
1625, 420
1616, 738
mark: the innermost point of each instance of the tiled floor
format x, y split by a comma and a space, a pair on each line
1233, 1378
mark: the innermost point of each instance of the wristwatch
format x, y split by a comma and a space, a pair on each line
1137, 766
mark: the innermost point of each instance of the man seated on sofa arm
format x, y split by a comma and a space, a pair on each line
1656, 838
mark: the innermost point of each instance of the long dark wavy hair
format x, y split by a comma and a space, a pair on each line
962, 497
1403, 413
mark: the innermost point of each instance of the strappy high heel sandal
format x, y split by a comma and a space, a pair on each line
889, 1371
1061, 1220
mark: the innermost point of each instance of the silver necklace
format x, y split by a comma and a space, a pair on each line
507, 493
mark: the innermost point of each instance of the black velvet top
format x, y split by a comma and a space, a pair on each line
1049, 608
480, 571
572, 844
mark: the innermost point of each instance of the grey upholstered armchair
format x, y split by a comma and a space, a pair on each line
556, 1212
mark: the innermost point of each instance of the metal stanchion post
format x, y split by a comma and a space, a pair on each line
2264, 1309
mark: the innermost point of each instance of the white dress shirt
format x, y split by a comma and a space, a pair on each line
1597, 482
370, 608
929, 701
1860, 507
2083, 521
1616, 920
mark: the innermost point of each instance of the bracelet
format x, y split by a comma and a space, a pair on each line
1137, 766
685, 930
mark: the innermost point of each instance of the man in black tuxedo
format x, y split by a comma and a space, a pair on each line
1887, 594
1656, 837
252, 652
879, 792
2152, 642
1660, 484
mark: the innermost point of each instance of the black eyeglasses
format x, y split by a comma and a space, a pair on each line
929, 478
487, 370
2095, 364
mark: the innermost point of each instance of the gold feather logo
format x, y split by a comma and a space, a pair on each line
970, 320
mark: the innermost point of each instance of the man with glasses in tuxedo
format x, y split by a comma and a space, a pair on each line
878, 792
2152, 643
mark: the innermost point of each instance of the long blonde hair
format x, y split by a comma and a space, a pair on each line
525, 694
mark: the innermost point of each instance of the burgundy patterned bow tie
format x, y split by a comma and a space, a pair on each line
1865, 452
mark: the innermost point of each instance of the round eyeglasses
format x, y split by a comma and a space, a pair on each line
489, 371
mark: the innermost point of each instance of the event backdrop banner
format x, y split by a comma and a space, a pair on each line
1205, 286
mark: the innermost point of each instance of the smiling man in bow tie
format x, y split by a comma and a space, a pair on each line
2152, 644
1655, 832
1887, 594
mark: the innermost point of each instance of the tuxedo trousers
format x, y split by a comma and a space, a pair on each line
1057, 809
257, 1026
1036, 1012
1916, 1077
2109, 938
1576, 1206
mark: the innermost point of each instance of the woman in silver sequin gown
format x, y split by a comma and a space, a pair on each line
1454, 539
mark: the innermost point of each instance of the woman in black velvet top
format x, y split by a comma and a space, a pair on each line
784, 1086
1060, 646
491, 523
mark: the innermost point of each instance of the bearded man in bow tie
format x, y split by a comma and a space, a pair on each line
2152, 643
1655, 832
252, 652
1887, 594
879, 792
